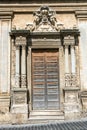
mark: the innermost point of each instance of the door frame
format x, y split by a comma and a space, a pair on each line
44, 51
61, 73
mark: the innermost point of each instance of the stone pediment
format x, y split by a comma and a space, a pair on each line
45, 21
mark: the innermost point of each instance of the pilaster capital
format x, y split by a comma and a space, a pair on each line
69, 40
20, 41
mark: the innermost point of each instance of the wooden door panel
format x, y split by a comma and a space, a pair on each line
45, 79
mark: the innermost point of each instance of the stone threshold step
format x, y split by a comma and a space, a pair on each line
48, 113
46, 118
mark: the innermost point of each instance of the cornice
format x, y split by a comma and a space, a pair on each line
49, 4
58, 7
10, 13
81, 13
6, 14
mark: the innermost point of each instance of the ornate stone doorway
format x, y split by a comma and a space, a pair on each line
45, 79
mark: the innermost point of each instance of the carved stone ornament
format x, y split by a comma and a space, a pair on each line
23, 80
44, 21
70, 80
69, 40
20, 41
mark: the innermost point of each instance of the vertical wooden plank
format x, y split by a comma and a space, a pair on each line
38, 78
52, 79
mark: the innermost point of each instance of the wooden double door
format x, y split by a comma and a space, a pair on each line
45, 79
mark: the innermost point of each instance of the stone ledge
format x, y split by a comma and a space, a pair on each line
19, 89
83, 94
71, 89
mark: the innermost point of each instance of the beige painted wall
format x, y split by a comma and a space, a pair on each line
20, 20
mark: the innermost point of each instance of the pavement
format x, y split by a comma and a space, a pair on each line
66, 125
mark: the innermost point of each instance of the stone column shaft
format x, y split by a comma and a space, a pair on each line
23, 67
73, 62
66, 60
17, 66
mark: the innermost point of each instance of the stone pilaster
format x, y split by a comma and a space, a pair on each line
71, 90
62, 81
13, 60
19, 106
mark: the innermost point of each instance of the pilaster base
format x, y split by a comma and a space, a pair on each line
4, 104
72, 111
72, 107
19, 106
5, 116
19, 114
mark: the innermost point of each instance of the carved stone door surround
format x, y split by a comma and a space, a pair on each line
44, 33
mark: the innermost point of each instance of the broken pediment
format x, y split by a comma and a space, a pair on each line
44, 21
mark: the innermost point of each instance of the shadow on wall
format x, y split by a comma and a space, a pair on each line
40, 1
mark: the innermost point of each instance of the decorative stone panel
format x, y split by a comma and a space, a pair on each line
72, 106
70, 80
19, 106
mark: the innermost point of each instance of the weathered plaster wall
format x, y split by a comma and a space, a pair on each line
20, 20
